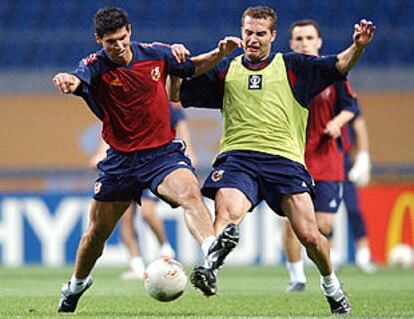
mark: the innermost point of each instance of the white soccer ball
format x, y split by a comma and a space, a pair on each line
165, 279
401, 255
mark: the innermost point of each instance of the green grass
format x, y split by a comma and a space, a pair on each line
33, 292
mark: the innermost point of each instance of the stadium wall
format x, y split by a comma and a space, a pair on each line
48, 139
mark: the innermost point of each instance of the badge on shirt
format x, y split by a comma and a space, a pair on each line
255, 82
155, 73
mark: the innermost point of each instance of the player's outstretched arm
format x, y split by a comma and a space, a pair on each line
205, 62
66, 83
363, 34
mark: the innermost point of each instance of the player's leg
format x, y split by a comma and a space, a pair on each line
300, 211
231, 207
363, 253
294, 262
130, 239
102, 219
181, 188
148, 210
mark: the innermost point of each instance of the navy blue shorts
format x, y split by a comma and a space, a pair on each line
328, 196
259, 176
124, 176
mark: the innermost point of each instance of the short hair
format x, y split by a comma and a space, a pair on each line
305, 22
110, 19
261, 12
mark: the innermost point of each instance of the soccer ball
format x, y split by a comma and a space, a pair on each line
165, 279
401, 255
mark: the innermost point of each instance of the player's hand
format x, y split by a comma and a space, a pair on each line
363, 33
360, 173
333, 129
180, 52
65, 82
228, 45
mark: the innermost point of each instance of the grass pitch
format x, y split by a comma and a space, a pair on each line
247, 292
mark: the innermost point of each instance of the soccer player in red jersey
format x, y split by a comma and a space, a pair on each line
329, 111
124, 86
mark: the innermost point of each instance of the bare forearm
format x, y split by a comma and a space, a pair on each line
348, 58
173, 88
361, 134
343, 117
205, 62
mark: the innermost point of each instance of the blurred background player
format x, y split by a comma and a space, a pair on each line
329, 111
148, 204
357, 173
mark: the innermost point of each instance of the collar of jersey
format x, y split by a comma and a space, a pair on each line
259, 64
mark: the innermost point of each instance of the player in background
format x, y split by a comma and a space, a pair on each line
263, 98
148, 204
124, 86
329, 111
357, 174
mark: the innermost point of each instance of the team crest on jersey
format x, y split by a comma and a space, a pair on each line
98, 187
155, 73
116, 82
92, 57
255, 82
217, 175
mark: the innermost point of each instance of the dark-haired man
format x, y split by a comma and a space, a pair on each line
264, 97
124, 86
329, 111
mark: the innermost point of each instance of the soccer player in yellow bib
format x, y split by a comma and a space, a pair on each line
263, 97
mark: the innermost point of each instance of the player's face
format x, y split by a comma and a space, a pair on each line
117, 45
257, 37
305, 39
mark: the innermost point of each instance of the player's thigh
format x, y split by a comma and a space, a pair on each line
129, 215
232, 204
180, 187
298, 208
105, 215
148, 206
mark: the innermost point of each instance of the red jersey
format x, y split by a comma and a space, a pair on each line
324, 155
131, 99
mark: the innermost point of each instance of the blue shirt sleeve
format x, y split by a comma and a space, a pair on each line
312, 74
207, 90
179, 69
345, 99
87, 71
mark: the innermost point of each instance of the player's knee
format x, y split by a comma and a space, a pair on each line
309, 239
190, 196
229, 215
326, 230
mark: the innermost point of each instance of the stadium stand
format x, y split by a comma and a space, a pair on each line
43, 34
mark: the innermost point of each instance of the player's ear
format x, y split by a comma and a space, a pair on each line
98, 39
274, 35
320, 42
291, 45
